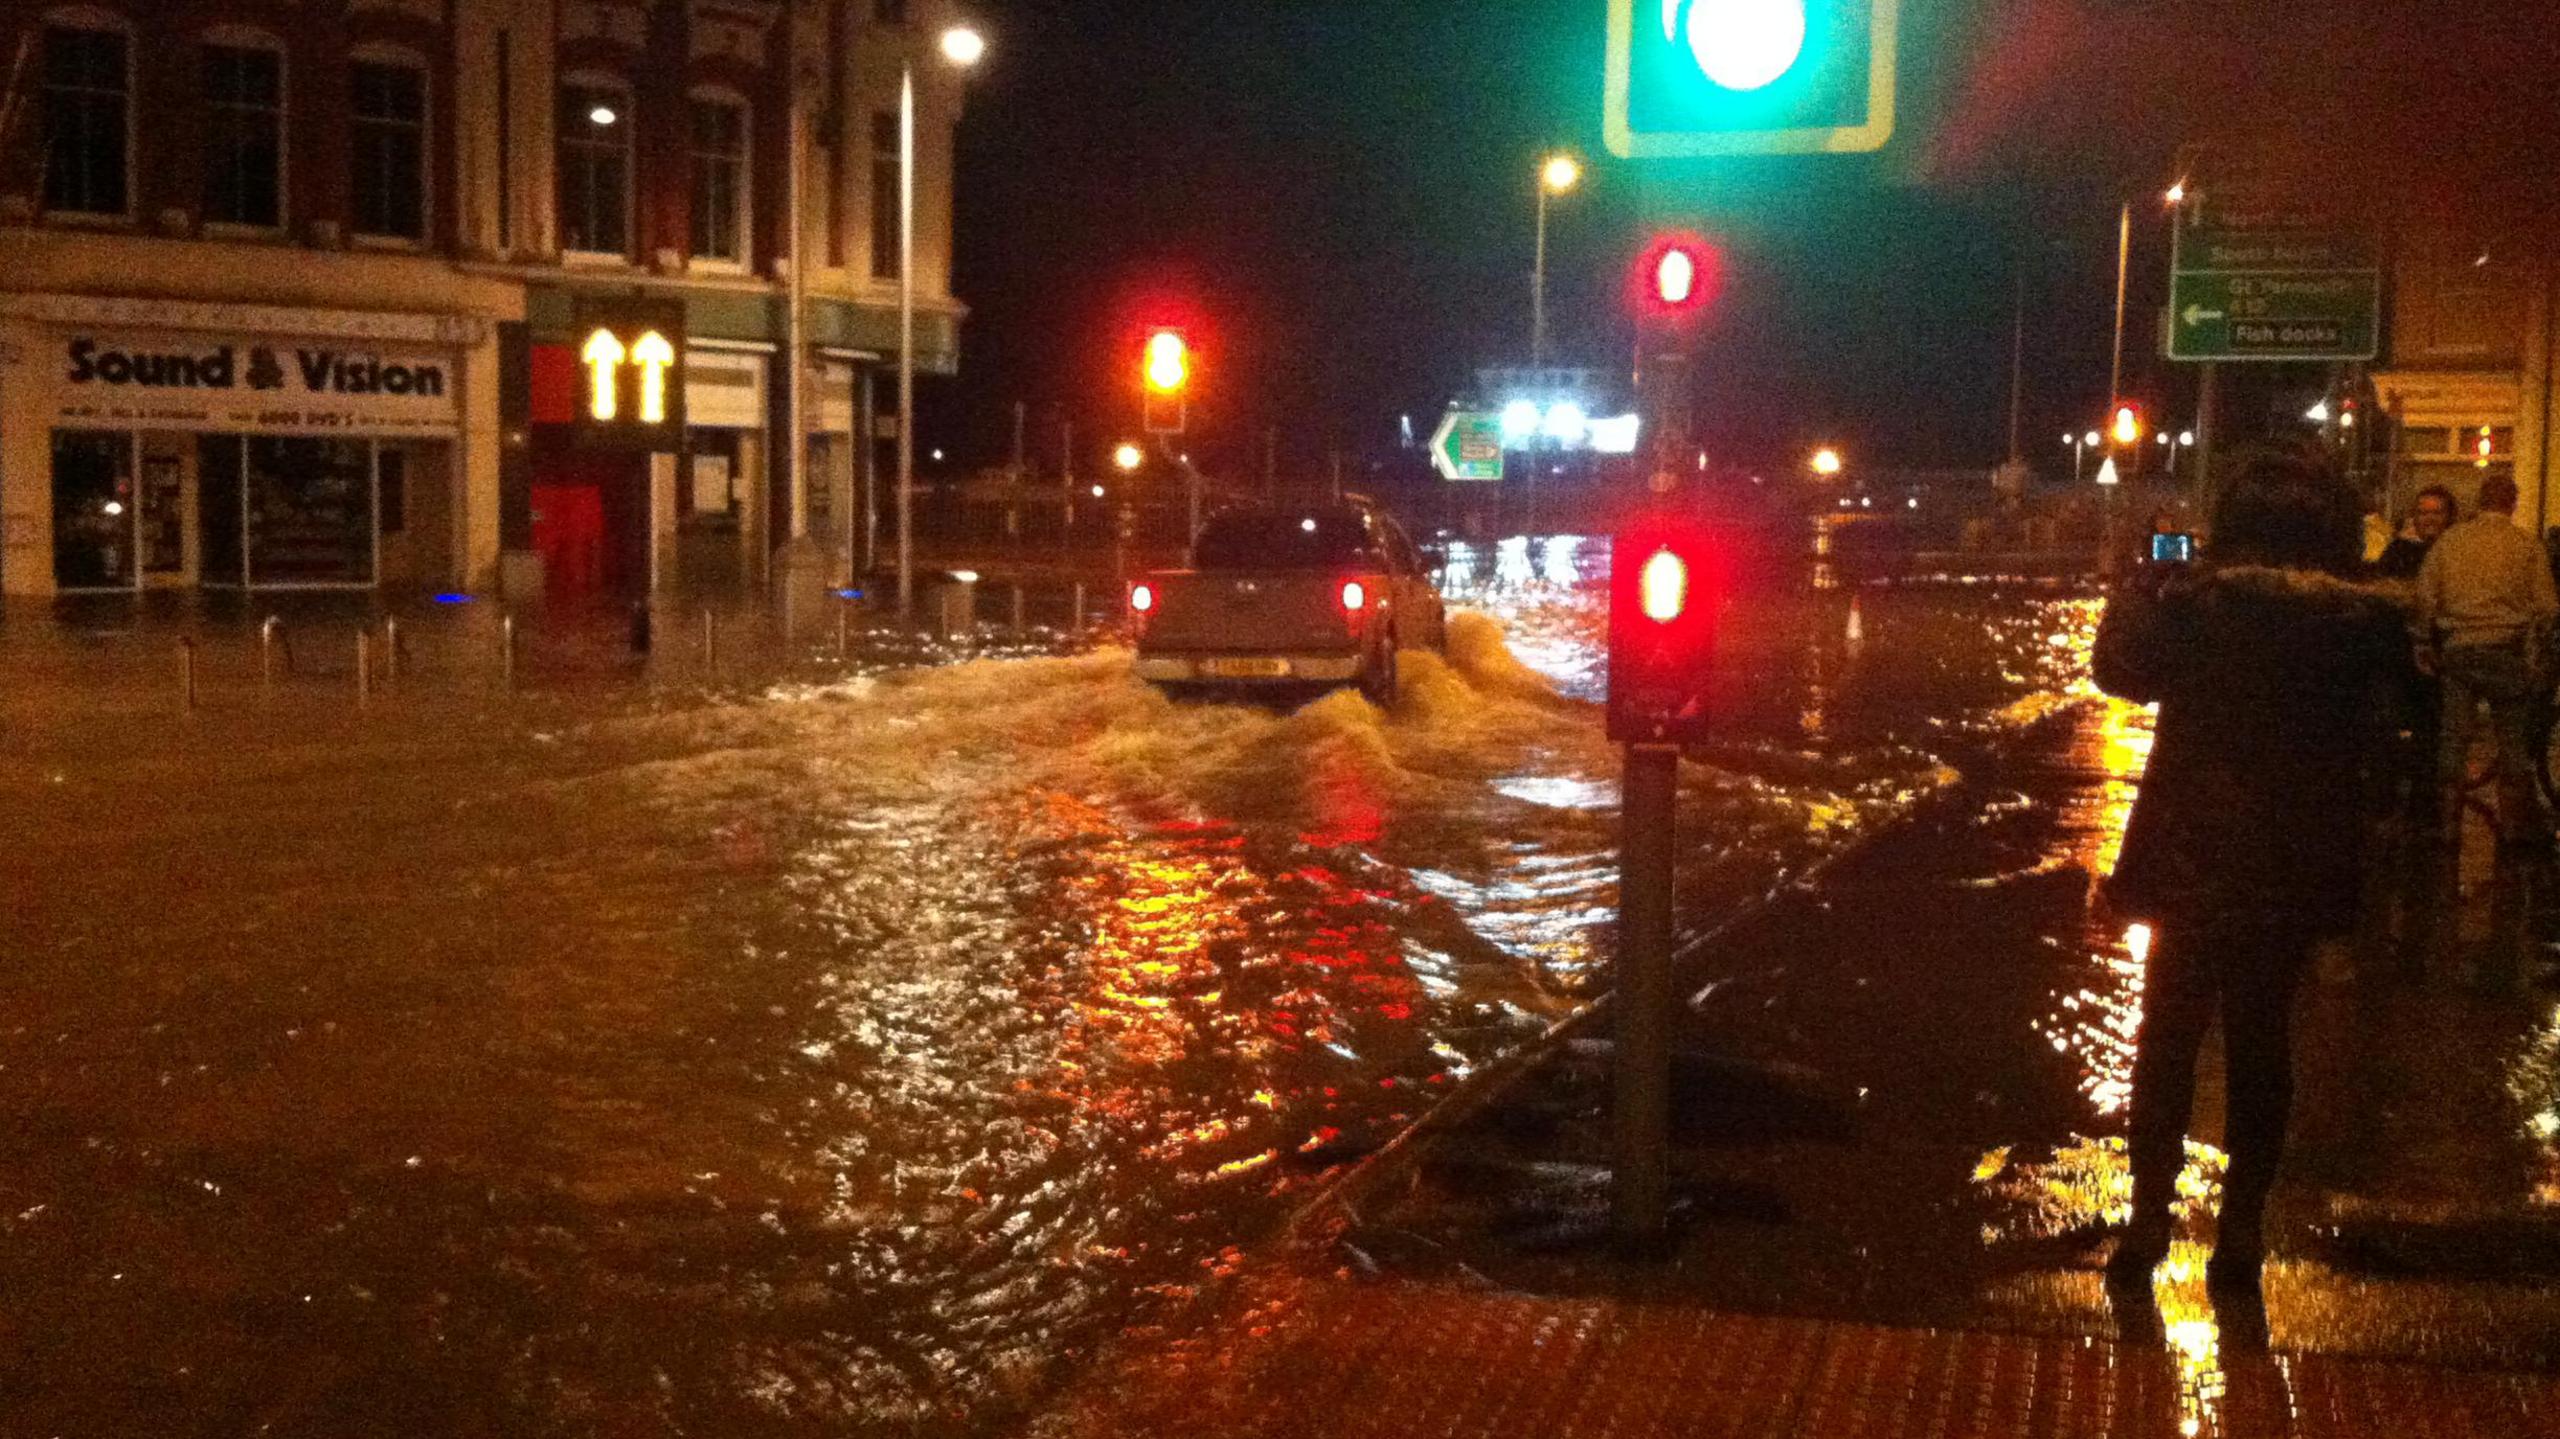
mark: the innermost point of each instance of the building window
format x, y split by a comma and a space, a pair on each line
720, 180
387, 128
595, 169
86, 117
244, 136
889, 12
885, 256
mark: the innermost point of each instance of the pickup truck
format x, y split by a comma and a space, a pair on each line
1288, 598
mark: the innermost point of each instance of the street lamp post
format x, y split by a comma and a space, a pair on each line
962, 47
1559, 174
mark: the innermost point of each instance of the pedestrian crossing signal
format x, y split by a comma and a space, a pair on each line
1694, 78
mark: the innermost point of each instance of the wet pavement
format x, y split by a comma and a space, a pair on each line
834, 1043
1896, 1148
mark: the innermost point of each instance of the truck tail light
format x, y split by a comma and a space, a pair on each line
1142, 599
1355, 597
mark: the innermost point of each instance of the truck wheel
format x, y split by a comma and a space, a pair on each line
1378, 677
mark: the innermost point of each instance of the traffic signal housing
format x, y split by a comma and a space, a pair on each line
1674, 283
1689, 78
1666, 578
1164, 372
2125, 424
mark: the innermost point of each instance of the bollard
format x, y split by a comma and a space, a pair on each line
391, 650
187, 673
267, 651
1017, 609
844, 631
641, 622
507, 650
364, 667
1079, 608
710, 645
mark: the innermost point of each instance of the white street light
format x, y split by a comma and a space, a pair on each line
962, 47
1559, 175
2318, 414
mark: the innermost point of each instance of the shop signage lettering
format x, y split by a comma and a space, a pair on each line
173, 381
322, 372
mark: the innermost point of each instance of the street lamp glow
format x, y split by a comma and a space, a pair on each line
2091, 439
2318, 414
1826, 461
1567, 422
1520, 420
2177, 193
2186, 437
963, 46
1741, 44
602, 115
1562, 173
1128, 457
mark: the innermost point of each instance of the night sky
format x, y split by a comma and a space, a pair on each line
1337, 197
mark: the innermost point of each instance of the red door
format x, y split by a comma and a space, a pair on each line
568, 533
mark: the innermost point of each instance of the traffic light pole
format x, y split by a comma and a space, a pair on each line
1646, 866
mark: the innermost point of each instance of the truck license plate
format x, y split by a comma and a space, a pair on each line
1245, 669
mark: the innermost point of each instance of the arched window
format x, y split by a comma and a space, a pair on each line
88, 114
595, 128
387, 144
243, 79
722, 153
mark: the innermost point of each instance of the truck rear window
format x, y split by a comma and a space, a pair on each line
1280, 540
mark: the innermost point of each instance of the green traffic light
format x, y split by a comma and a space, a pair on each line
1740, 45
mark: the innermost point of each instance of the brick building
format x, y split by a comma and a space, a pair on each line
290, 290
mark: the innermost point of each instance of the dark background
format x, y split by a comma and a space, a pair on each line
1337, 197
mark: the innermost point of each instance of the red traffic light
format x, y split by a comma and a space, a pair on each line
1664, 577
1167, 368
1675, 279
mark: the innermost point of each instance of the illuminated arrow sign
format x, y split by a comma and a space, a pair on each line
2198, 314
603, 358
631, 357
655, 356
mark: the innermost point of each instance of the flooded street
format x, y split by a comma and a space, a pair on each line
847, 1054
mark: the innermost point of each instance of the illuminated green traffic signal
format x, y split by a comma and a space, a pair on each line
1750, 77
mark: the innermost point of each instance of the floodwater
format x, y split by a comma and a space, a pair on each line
849, 1052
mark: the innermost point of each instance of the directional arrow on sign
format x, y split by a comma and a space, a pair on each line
1468, 446
2198, 314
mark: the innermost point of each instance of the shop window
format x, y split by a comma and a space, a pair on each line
244, 136
311, 513
885, 251
595, 169
387, 130
87, 121
94, 534
720, 169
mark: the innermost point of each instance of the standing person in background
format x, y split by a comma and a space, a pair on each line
2274, 670
2430, 515
2486, 605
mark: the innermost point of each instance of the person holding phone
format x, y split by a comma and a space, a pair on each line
2273, 666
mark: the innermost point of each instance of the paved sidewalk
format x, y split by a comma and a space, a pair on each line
1300, 1355
1926, 1273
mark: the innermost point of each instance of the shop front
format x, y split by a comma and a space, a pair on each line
184, 458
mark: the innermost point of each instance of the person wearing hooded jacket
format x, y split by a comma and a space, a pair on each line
2276, 674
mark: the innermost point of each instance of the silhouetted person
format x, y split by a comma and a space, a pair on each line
2273, 671
2485, 610
2430, 515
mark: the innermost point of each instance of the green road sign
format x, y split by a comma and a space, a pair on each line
1749, 77
1468, 446
2306, 315
2270, 286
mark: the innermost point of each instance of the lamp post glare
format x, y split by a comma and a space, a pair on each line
1560, 174
962, 47
1826, 462
1128, 457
